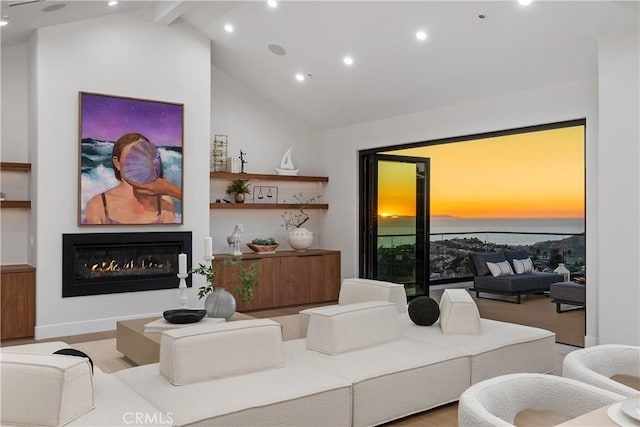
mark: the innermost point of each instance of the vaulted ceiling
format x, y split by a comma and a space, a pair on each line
473, 49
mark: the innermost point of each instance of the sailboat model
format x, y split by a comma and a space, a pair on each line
286, 165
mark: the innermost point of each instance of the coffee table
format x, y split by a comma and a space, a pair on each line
141, 347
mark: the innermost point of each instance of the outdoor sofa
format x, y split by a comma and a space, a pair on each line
511, 284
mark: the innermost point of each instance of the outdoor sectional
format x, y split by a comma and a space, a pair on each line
512, 285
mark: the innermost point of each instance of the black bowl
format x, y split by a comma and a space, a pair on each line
184, 315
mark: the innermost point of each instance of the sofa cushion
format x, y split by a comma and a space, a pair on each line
568, 291
479, 261
524, 265
511, 255
44, 390
361, 290
517, 283
342, 328
208, 351
502, 268
459, 313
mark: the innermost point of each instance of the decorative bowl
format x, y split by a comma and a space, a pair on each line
184, 315
262, 248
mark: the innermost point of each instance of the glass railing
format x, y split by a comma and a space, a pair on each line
449, 253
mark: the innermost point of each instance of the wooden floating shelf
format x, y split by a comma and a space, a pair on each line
267, 206
270, 177
15, 204
15, 167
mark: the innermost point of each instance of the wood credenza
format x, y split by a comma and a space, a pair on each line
18, 296
285, 278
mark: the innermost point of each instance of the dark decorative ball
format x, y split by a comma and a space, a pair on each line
74, 352
424, 311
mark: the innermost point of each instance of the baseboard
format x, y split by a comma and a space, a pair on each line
83, 327
590, 341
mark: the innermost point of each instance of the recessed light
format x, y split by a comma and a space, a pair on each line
112, 3
4, 21
348, 60
228, 28
272, 3
524, 2
421, 35
300, 77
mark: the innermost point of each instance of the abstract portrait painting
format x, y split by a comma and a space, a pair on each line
130, 161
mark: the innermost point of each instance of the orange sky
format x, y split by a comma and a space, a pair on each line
532, 175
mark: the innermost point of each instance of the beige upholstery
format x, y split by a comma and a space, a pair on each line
209, 351
596, 365
497, 401
341, 328
44, 389
458, 313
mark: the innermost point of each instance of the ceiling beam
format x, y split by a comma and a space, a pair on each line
166, 12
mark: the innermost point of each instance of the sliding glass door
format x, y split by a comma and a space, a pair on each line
394, 220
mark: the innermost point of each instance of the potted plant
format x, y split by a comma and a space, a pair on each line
300, 238
219, 302
238, 187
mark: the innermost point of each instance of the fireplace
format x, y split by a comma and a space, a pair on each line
107, 263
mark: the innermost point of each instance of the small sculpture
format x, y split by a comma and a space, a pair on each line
286, 165
242, 161
234, 240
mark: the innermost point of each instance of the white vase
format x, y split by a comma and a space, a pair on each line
300, 239
562, 270
220, 304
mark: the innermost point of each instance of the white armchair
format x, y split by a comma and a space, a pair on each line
497, 401
596, 365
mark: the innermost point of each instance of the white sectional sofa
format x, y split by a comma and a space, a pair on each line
361, 364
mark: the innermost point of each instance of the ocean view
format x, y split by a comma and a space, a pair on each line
442, 224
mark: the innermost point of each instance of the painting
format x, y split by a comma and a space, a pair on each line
131, 161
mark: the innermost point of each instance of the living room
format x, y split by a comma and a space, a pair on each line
130, 55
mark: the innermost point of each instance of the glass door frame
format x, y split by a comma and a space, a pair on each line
368, 217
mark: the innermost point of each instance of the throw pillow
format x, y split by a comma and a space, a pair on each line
423, 311
523, 265
499, 268
74, 352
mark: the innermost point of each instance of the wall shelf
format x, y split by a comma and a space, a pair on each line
267, 206
268, 177
15, 167
15, 204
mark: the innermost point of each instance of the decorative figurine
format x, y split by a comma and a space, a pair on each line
286, 165
234, 240
242, 161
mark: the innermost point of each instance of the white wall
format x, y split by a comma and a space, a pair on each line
537, 106
264, 132
619, 249
120, 55
14, 223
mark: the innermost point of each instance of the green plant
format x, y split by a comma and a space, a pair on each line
297, 219
265, 242
238, 186
247, 283
209, 274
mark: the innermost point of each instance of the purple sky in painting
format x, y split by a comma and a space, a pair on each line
108, 118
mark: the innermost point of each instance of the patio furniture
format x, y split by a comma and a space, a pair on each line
569, 293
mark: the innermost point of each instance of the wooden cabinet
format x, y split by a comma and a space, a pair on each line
285, 278
18, 296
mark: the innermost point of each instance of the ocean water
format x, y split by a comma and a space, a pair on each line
487, 229
97, 173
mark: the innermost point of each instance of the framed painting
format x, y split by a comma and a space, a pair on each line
131, 163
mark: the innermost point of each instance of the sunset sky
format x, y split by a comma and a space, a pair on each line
531, 175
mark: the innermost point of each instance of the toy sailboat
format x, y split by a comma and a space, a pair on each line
286, 165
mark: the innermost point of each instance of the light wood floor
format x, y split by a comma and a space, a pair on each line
535, 311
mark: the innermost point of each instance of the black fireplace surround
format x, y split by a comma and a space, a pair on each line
107, 263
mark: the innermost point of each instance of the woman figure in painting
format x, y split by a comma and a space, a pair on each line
142, 197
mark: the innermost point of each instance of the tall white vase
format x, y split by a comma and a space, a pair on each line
562, 270
300, 239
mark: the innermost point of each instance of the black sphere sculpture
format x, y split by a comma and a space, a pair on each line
423, 311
